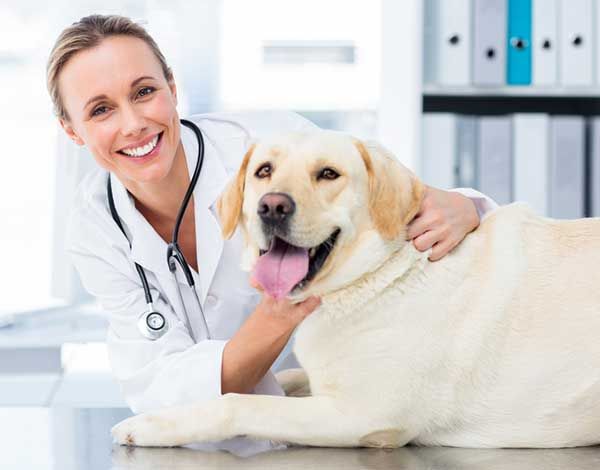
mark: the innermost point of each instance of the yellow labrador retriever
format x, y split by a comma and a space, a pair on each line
496, 345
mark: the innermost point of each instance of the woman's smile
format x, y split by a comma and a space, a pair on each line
144, 150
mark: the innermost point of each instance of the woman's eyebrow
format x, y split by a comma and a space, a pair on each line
137, 80
102, 97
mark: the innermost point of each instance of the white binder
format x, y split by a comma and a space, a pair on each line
576, 42
530, 154
454, 42
439, 149
567, 167
466, 152
494, 153
489, 42
430, 32
596, 52
594, 153
545, 42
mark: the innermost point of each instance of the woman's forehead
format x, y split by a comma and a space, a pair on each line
107, 68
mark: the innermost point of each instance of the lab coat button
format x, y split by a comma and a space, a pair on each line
211, 300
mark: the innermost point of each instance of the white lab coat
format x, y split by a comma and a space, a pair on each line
173, 370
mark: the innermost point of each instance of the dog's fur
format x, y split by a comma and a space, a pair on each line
495, 345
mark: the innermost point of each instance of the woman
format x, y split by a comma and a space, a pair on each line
114, 93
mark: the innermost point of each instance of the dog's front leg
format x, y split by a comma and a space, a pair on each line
316, 421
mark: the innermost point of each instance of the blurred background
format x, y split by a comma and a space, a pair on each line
499, 95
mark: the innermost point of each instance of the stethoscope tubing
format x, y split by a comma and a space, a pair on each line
174, 254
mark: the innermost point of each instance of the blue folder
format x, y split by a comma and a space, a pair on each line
519, 43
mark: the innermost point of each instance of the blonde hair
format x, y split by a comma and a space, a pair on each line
86, 33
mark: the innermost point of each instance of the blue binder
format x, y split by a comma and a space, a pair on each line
519, 43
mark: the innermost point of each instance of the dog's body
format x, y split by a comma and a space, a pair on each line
496, 345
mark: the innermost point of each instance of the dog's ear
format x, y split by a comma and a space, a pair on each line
229, 205
395, 193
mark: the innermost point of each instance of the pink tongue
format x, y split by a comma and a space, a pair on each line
281, 268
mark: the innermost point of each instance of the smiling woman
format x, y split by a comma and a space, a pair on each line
114, 93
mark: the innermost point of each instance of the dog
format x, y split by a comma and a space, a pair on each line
495, 345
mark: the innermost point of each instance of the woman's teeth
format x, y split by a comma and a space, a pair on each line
141, 151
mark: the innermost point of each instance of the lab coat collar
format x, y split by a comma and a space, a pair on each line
147, 247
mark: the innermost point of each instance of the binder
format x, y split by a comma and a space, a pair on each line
596, 52
454, 42
545, 42
439, 145
567, 160
466, 152
447, 40
495, 158
594, 167
430, 52
489, 33
518, 43
530, 159
576, 39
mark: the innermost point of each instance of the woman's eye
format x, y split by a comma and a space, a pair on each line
264, 171
145, 91
99, 110
328, 174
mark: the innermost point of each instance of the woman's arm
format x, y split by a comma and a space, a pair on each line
250, 353
445, 218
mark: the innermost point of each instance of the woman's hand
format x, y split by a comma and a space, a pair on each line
281, 313
443, 222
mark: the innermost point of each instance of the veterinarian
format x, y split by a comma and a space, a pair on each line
176, 339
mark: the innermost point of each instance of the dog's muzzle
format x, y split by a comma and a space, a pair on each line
275, 211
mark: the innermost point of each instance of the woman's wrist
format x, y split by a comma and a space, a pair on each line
444, 219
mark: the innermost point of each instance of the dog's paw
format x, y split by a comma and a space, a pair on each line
148, 430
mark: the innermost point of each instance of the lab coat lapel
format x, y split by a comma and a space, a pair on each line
147, 247
213, 177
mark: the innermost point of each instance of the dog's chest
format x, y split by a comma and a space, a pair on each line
379, 346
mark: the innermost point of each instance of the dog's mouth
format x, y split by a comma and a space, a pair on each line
285, 267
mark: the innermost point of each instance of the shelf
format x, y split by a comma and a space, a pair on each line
496, 104
512, 91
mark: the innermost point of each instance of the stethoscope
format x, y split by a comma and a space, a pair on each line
151, 323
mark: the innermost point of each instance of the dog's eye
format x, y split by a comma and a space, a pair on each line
328, 174
263, 171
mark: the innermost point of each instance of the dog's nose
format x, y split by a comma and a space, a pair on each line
275, 208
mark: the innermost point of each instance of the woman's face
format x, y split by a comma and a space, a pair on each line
122, 108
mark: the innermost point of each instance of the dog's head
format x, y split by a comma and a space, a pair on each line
317, 210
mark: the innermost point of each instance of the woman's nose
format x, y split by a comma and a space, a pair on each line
132, 122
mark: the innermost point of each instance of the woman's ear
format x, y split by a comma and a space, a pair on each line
68, 128
229, 204
395, 193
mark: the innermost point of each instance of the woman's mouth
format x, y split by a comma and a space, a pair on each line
144, 152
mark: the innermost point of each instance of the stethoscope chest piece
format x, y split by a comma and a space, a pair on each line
152, 324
